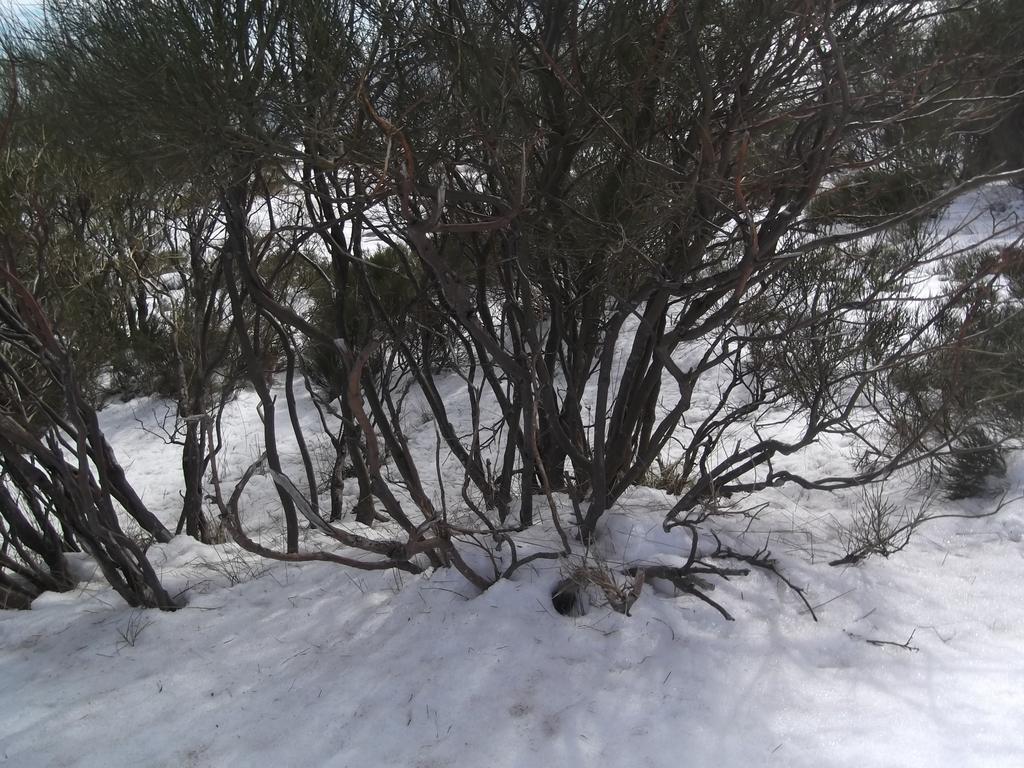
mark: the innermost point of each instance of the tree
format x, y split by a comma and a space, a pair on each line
61, 487
597, 203
652, 164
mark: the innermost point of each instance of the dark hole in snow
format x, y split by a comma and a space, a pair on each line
567, 600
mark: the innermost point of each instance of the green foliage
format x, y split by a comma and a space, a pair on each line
994, 135
865, 197
110, 361
818, 321
386, 286
962, 402
982, 363
393, 277
974, 458
952, 398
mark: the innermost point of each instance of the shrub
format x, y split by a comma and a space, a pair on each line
819, 321
396, 282
973, 459
960, 405
874, 194
878, 527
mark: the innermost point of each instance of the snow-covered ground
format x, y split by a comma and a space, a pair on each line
916, 660
319, 666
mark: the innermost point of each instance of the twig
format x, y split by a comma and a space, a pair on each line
881, 643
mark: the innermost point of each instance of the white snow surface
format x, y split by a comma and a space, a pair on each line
914, 660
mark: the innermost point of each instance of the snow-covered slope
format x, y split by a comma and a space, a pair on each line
315, 665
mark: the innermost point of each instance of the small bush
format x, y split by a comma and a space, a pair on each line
394, 277
876, 193
960, 404
971, 463
878, 527
795, 347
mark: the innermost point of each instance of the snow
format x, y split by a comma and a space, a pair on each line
316, 665
914, 660
993, 212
